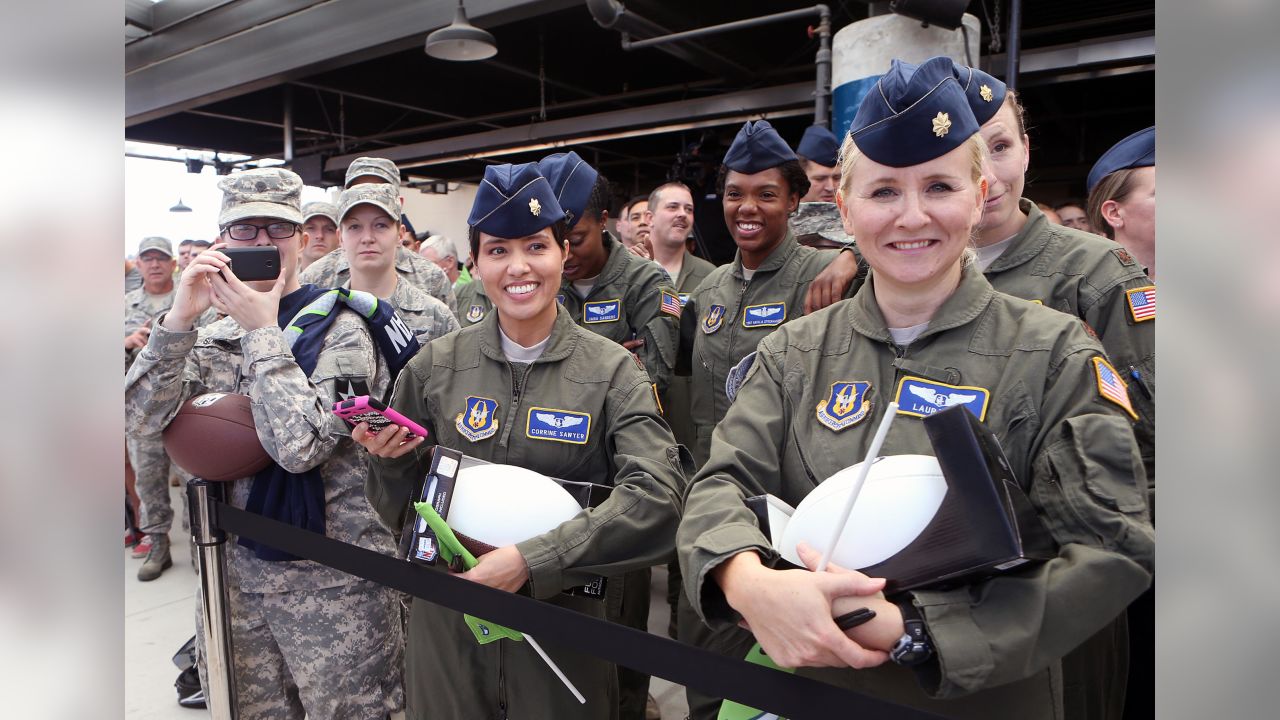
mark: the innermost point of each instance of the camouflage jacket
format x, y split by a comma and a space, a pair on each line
333, 270
428, 317
293, 417
140, 308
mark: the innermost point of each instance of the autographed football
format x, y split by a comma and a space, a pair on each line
901, 495
496, 505
213, 437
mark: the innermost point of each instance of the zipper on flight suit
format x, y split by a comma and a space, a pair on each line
502, 680
518, 380
733, 334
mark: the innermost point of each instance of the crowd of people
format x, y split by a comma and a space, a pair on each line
904, 254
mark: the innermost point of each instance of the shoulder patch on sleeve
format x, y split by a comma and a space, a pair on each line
1124, 257
670, 304
1111, 387
1142, 303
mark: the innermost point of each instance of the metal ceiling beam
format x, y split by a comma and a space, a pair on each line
313, 38
138, 14
1113, 50
616, 123
173, 30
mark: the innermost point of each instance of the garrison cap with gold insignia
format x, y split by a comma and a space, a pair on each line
156, 243
326, 209
383, 196
757, 148
984, 92
913, 114
572, 180
273, 193
514, 201
819, 145
1137, 150
375, 166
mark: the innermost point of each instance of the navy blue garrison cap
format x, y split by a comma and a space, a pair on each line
819, 145
514, 201
1137, 150
757, 147
985, 92
571, 179
913, 114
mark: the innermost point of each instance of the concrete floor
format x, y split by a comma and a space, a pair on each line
160, 615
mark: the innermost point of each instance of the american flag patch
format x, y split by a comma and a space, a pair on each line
670, 304
1111, 387
1142, 303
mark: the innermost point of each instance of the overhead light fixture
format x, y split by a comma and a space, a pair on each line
461, 41
194, 165
179, 207
221, 166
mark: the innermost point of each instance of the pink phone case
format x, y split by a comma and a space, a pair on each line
365, 409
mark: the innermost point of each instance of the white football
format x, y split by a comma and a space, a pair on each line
901, 495
504, 504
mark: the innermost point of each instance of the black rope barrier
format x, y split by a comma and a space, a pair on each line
788, 695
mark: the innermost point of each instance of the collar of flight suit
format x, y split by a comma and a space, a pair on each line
774, 260
563, 340
1027, 243
971, 298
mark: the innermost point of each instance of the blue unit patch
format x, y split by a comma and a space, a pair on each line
479, 420
847, 404
766, 315
602, 311
714, 318
564, 426
922, 398
475, 314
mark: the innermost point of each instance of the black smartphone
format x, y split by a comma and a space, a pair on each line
254, 263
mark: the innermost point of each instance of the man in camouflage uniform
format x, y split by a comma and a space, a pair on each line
428, 317
146, 454
333, 270
308, 640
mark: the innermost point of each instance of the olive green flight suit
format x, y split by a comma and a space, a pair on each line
748, 311
627, 445
626, 303
1091, 277
999, 641
473, 304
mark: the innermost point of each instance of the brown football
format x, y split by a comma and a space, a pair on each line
213, 437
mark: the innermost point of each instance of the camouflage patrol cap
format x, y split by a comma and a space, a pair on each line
155, 243
819, 218
261, 192
380, 195
318, 207
378, 167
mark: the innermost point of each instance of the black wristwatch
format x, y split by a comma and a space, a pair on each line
914, 647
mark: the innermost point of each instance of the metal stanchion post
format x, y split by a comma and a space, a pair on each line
210, 542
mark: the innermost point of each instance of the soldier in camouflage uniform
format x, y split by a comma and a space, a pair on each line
333, 270
370, 234
309, 640
146, 454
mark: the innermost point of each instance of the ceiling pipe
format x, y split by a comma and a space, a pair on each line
611, 15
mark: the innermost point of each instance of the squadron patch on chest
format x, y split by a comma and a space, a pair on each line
479, 420
602, 311
846, 405
564, 426
714, 318
921, 398
765, 315
475, 314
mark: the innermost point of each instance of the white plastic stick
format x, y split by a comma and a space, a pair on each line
554, 668
856, 489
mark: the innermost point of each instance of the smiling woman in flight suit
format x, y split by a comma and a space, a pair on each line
477, 390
